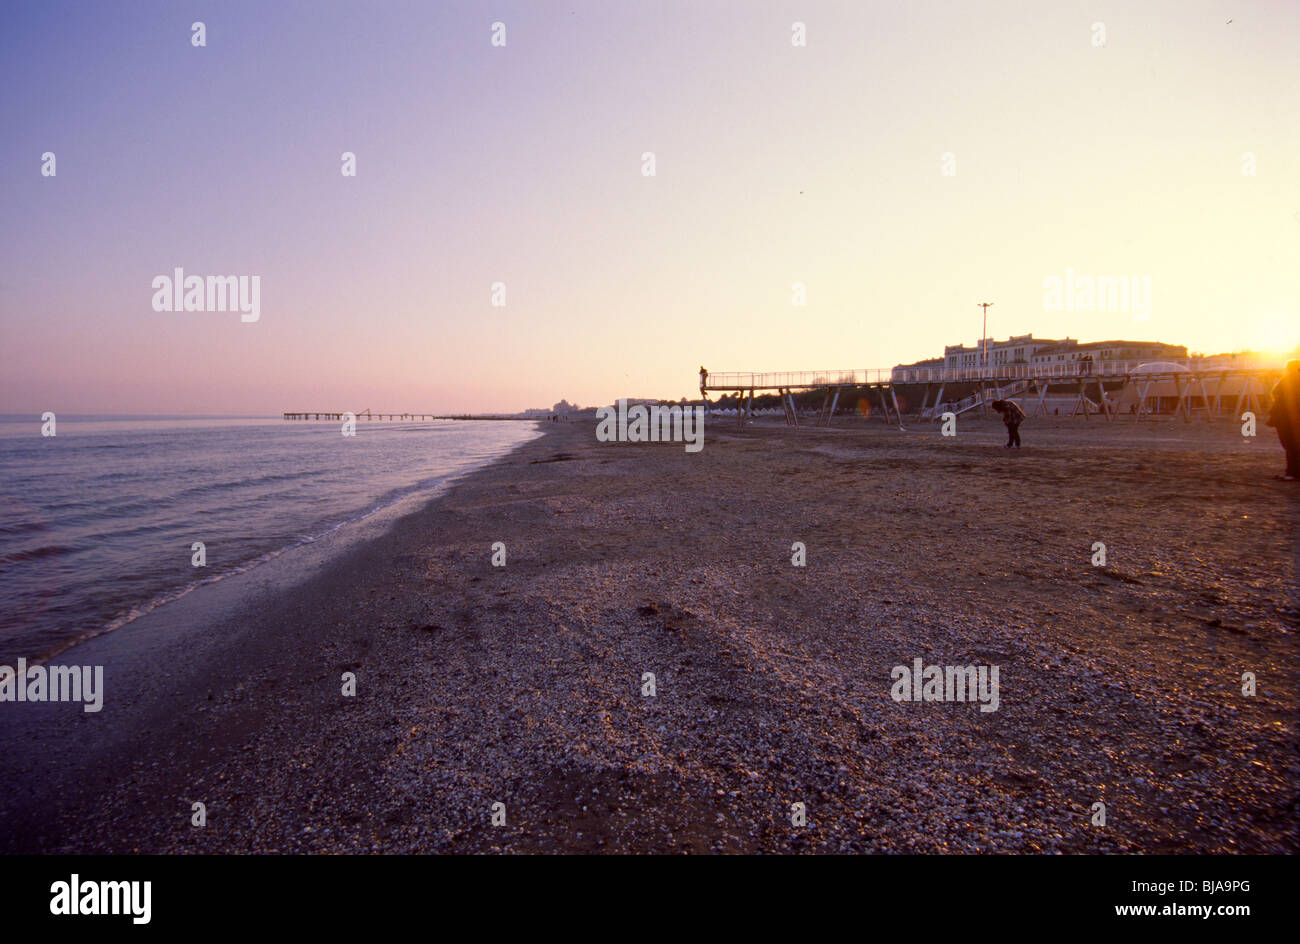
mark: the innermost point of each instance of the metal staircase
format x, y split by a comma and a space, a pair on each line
976, 399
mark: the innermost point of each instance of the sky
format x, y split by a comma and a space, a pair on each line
905, 163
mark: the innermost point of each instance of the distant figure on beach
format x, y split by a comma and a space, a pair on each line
1013, 416
1285, 417
704, 376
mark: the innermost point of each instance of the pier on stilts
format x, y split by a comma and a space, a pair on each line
365, 415
1098, 388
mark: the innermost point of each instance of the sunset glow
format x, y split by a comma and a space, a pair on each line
775, 164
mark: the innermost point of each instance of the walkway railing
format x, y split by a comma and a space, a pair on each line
1000, 373
798, 378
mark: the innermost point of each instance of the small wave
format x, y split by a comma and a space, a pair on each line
36, 553
245, 484
24, 527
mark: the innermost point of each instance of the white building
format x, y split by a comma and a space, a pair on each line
1016, 349
1038, 354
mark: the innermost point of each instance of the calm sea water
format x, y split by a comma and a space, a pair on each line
97, 522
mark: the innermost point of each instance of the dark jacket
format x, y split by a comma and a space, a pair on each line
1285, 414
1012, 415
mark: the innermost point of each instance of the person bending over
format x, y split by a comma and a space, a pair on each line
1013, 416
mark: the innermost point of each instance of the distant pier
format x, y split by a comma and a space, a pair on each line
367, 415
401, 417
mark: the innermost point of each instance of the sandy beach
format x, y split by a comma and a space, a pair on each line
522, 684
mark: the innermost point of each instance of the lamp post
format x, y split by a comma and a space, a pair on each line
984, 339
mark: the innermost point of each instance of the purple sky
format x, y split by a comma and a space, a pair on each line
774, 164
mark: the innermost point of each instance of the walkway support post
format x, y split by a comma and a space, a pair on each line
1142, 401
1182, 406
898, 414
1205, 398
938, 399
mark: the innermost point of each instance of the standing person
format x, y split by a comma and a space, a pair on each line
1285, 417
1013, 416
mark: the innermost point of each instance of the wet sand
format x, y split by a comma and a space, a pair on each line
523, 684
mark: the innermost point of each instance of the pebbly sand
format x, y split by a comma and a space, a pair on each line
523, 684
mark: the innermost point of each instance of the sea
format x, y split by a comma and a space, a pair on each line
99, 523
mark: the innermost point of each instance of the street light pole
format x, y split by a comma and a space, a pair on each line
984, 338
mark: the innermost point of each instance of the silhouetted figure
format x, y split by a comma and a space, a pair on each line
1012, 416
1285, 418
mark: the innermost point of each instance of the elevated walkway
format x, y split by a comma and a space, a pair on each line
1098, 387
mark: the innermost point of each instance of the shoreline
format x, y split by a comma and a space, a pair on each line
360, 526
523, 684
185, 641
